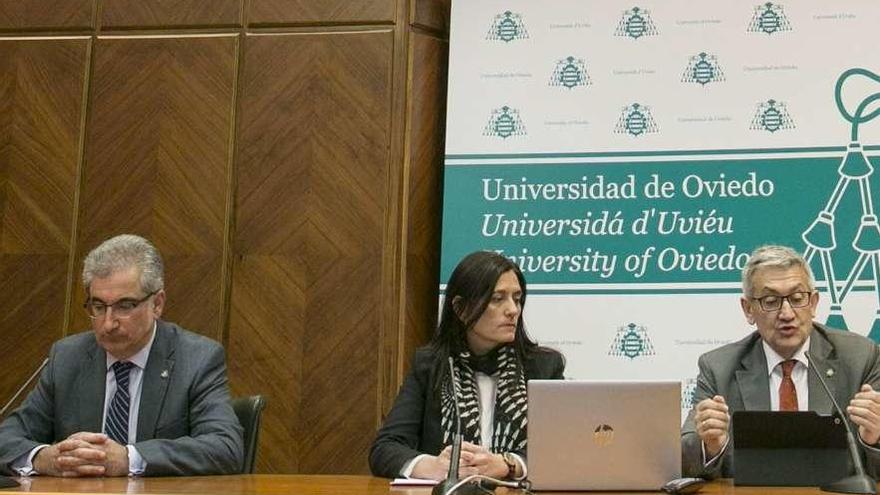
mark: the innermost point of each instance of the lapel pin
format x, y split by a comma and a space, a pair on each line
164, 374
830, 372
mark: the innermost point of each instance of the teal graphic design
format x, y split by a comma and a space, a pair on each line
769, 18
688, 388
507, 27
772, 116
636, 23
678, 221
570, 73
703, 69
636, 120
631, 341
504, 123
821, 236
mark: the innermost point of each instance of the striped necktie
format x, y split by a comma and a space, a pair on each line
116, 425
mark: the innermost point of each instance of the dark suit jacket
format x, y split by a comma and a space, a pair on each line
186, 425
412, 427
738, 372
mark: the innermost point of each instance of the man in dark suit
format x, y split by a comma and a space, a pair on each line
134, 396
767, 370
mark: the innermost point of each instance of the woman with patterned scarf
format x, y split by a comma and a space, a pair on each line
481, 328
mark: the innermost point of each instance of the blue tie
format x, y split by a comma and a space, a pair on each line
116, 425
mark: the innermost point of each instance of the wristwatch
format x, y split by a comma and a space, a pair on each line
510, 460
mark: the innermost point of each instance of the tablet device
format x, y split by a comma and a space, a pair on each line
775, 448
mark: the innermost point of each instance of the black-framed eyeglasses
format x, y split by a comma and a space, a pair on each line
122, 308
774, 303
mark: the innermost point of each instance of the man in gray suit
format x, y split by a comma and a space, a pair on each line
136, 395
767, 370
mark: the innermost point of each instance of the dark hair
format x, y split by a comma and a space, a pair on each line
472, 283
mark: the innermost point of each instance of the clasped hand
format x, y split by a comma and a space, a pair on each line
475, 459
83, 454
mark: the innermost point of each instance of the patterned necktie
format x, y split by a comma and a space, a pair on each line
788, 400
116, 425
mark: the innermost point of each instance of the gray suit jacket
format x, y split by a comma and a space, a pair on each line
738, 372
186, 425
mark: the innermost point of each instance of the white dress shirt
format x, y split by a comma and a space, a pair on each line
774, 371
487, 386
798, 375
24, 465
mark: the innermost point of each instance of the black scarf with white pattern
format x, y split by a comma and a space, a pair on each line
509, 424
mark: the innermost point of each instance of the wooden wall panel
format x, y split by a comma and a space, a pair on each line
320, 11
314, 132
265, 351
41, 96
431, 14
170, 13
45, 14
32, 315
429, 59
157, 162
297, 254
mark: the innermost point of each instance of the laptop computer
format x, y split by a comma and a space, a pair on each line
603, 435
788, 449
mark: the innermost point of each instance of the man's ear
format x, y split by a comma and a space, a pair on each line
747, 309
158, 303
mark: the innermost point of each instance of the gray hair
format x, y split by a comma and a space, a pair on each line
774, 257
121, 253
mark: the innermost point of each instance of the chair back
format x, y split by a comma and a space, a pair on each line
249, 410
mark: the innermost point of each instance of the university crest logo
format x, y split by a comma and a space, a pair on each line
636, 120
636, 23
504, 123
570, 73
769, 18
771, 116
703, 69
507, 27
631, 341
688, 389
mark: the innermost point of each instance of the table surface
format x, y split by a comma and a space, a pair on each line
272, 484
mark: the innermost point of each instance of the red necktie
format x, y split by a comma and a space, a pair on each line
787, 394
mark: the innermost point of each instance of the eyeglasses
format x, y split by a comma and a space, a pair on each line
122, 308
774, 303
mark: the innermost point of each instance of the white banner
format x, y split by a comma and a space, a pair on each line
630, 157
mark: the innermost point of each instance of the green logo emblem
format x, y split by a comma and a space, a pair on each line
769, 18
688, 389
771, 116
570, 72
855, 170
504, 123
635, 23
631, 342
636, 120
507, 27
703, 69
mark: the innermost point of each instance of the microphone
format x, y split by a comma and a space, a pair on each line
448, 486
5, 481
23, 387
859, 482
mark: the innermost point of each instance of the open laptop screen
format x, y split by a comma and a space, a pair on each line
603, 435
